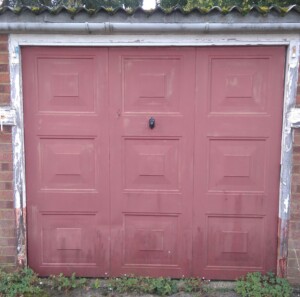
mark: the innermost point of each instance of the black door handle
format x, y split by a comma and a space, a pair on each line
151, 123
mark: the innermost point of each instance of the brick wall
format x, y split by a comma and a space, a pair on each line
7, 217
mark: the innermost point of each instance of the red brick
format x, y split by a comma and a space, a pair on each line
3, 47
5, 147
293, 272
296, 138
7, 259
8, 224
4, 58
6, 204
4, 77
6, 166
296, 179
5, 157
4, 99
6, 195
7, 232
5, 137
295, 244
5, 88
296, 198
8, 241
6, 176
297, 189
8, 251
7, 214
296, 159
296, 149
3, 38
3, 67
295, 215
6, 130
294, 225
294, 234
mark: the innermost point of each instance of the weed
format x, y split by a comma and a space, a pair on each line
258, 285
63, 283
191, 285
158, 286
96, 284
23, 282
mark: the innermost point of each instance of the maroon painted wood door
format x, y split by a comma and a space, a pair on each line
152, 169
195, 195
67, 159
237, 161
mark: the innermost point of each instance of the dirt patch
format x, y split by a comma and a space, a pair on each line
95, 293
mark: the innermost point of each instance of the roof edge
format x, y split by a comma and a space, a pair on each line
73, 10
149, 28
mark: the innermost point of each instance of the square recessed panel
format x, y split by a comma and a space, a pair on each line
151, 164
236, 165
238, 85
150, 239
151, 84
66, 84
235, 241
69, 238
67, 163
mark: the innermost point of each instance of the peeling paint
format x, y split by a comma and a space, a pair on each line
286, 204
18, 153
289, 115
21, 236
7, 116
294, 118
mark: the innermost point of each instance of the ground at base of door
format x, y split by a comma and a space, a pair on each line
93, 293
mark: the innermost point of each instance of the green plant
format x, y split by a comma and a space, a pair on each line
64, 283
258, 285
158, 286
192, 285
23, 282
96, 284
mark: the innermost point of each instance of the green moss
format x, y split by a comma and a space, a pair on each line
225, 10
264, 9
17, 10
91, 11
109, 10
71, 10
35, 10
168, 10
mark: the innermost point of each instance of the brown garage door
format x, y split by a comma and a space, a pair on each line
152, 161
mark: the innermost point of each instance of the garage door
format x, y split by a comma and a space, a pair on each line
152, 161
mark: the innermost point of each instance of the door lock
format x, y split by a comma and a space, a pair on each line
151, 123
